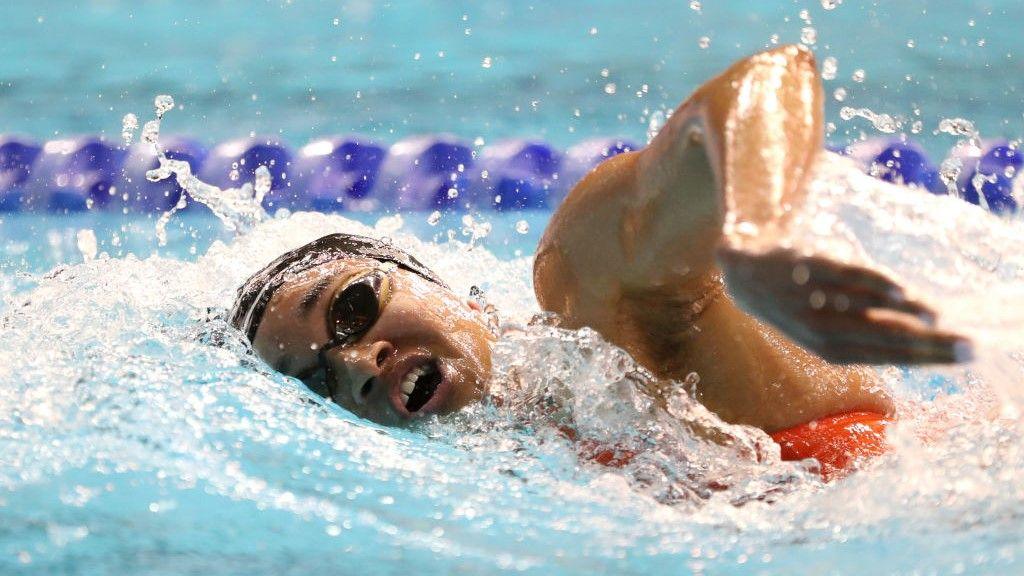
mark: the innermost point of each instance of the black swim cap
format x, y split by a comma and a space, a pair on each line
256, 292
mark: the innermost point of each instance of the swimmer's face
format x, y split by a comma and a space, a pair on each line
427, 352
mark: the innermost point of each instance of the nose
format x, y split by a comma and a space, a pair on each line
363, 366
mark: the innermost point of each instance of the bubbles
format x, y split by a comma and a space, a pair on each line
704, 42
830, 4
522, 226
695, 5
858, 75
434, 218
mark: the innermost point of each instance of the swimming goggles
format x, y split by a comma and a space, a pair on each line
354, 309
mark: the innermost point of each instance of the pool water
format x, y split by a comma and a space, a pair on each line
140, 435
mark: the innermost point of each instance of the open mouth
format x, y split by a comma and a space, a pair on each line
419, 385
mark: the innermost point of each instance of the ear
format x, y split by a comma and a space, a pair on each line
474, 305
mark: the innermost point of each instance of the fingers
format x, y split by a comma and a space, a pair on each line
843, 299
844, 313
823, 271
882, 337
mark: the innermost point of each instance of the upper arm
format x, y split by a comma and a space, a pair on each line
729, 164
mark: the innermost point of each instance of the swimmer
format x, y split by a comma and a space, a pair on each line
673, 253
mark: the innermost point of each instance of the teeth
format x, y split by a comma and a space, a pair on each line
409, 382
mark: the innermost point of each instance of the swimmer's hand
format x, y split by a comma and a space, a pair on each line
846, 314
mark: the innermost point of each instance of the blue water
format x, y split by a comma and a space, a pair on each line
138, 434
397, 68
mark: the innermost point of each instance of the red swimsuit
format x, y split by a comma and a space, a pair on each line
838, 443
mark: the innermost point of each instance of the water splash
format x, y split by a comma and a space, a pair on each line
967, 147
882, 122
239, 209
156, 413
960, 127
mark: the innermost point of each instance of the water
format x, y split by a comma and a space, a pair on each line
140, 435
305, 68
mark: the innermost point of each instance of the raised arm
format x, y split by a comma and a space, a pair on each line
713, 193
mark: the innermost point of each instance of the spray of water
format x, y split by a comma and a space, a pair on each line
239, 209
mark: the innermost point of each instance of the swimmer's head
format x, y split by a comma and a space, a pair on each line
368, 326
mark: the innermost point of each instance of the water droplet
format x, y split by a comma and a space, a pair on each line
695, 5
162, 103
522, 226
882, 122
829, 68
830, 4
234, 175
858, 75
434, 218
129, 124
958, 127
609, 88
486, 62
86, 241
808, 35
911, 43
151, 132
704, 42
654, 124
453, 193
263, 181
839, 94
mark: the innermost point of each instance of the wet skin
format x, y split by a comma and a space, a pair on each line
672, 253
420, 324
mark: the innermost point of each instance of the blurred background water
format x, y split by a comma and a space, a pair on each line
563, 71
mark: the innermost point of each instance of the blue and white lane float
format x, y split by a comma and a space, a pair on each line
516, 175
72, 175
336, 174
17, 156
987, 174
429, 172
426, 173
897, 161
